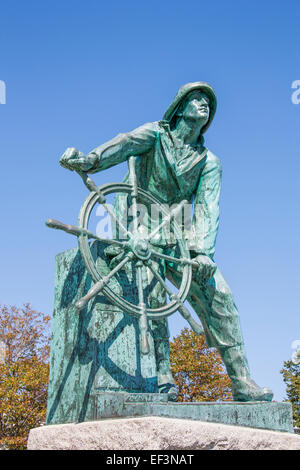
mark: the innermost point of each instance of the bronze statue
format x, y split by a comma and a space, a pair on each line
173, 165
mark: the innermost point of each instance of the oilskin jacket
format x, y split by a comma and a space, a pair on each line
171, 172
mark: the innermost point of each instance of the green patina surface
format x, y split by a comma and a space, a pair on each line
97, 370
96, 350
263, 415
169, 161
102, 354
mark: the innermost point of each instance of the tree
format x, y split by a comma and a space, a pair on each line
24, 369
198, 370
291, 377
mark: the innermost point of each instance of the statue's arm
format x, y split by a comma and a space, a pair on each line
117, 150
205, 221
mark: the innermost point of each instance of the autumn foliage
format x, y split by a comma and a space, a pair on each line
198, 371
24, 355
291, 377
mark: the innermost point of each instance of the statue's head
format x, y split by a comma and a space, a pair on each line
195, 100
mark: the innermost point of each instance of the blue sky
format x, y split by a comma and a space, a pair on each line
78, 73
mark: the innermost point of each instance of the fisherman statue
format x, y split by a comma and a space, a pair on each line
174, 165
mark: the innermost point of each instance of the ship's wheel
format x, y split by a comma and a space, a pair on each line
136, 248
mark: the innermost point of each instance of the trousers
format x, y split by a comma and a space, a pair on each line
213, 302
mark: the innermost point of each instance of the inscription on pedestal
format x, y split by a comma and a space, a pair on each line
146, 398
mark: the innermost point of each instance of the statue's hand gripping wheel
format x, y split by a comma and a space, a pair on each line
137, 249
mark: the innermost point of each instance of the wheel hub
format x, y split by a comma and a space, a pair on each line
141, 248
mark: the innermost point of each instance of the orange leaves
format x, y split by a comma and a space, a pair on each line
198, 370
24, 332
291, 377
24, 373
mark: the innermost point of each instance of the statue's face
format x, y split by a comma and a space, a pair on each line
196, 107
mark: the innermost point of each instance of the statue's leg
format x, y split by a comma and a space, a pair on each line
161, 335
213, 302
165, 378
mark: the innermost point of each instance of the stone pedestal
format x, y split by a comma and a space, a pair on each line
154, 433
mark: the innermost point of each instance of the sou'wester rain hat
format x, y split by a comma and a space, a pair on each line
181, 95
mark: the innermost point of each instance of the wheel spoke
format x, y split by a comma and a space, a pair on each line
168, 218
134, 191
116, 220
144, 344
188, 317
174, 260
150, 265
173, 297
77, 231
91, 185
101, 284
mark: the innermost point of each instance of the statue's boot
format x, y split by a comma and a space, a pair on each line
243, 387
